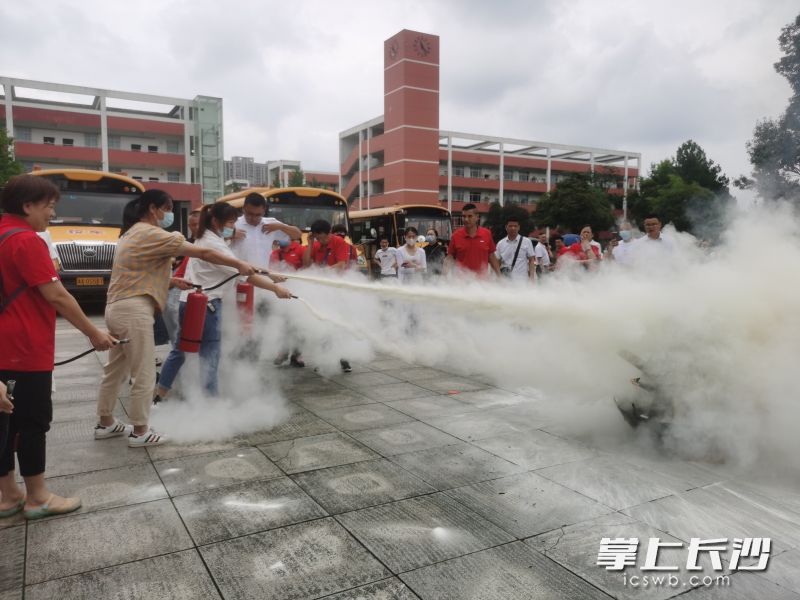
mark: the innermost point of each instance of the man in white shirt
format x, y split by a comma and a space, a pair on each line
256, 232
653, 246
523, 267
620, 251
543, 254
386, 259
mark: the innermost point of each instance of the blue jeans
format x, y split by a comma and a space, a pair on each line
209, 351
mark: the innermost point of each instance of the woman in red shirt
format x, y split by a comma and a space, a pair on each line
586, 252
31, 296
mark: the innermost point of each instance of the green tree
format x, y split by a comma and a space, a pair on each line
296, 178
693, 166
232, 187
576, 201
774, 150
498, 216
8, 165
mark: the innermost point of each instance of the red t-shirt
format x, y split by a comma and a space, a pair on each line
334, 252
28, 324
472, 252
292, 256
577, 251
181, 270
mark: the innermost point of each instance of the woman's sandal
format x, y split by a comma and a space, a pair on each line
40, 512
10, 512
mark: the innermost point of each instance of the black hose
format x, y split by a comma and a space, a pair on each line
82, 354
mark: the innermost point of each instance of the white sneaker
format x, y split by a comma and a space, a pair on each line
148, 438
113, 430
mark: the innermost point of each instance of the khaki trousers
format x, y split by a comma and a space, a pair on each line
131, 318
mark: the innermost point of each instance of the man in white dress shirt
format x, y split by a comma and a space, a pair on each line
516, 255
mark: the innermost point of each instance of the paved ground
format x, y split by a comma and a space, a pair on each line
381, 485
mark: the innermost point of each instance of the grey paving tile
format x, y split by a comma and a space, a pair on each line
112, 487
178, 576
68, 393
12, 559
784, 570
223, 513
610, 481
448, 384
61, 547
316, 452
491, 398
396, 391
369, 416
385, 364
12, 521
301, 423
405, 437
207, 471
331, 399
453, 466
81, 411
416, 374
62, 432
678, 475
715, 512
510, 571
92, 455
176, 450
534, 449
11, 595
527, 504
742, 586
359, 485
575, 547
481, 424
431, 406
309, 560
388, 589
367, 380
417, 532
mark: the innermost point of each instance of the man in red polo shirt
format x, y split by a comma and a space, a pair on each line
472, 247
287, 252
324, 249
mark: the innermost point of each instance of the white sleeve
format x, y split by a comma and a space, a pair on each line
529, 252
423, 260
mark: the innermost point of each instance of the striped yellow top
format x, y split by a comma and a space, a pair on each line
143, 263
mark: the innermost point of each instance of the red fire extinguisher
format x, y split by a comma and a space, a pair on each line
245, 297
194, 319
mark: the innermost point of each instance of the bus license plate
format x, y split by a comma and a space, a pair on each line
89, 281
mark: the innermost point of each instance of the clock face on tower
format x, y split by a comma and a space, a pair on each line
422, 46
394, 49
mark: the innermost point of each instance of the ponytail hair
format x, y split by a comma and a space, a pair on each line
221, 211
137, 208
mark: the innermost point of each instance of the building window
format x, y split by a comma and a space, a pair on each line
458, 171
114, 141
523, 176
508, 175
49, 140
152, 148
474, 197
475, 172
175, 177
22, 134
152, 179
173, 147
67, 141
91, 140
136, 147
136, 177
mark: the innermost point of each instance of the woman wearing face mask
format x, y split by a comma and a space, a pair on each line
215, 227
411, 261
435, 252
140, 278
620, 251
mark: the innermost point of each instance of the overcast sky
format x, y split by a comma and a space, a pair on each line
632, 75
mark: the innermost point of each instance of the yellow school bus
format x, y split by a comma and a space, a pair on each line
368, 226
87, 223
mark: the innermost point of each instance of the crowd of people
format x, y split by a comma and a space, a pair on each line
153, 273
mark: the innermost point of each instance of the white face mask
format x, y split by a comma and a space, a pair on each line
411, 241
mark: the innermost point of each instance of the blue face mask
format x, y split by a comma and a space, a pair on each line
625, 234
283, 244
431, 238
227, 232
167, 221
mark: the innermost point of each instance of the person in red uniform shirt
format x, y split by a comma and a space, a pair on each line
290, 253
327, 250
472, 247
31, 296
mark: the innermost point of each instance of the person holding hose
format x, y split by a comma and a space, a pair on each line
216, 225
30, 296
140, 278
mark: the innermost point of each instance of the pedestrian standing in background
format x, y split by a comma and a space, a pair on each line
472, 248
386, 259
411, 260
516, 255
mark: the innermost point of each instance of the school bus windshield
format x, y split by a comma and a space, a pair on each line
90, 209
303, 216
422, 223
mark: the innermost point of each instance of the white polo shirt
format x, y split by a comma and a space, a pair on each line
387, 259
506, 250
256, 247
208, 274
542, 255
